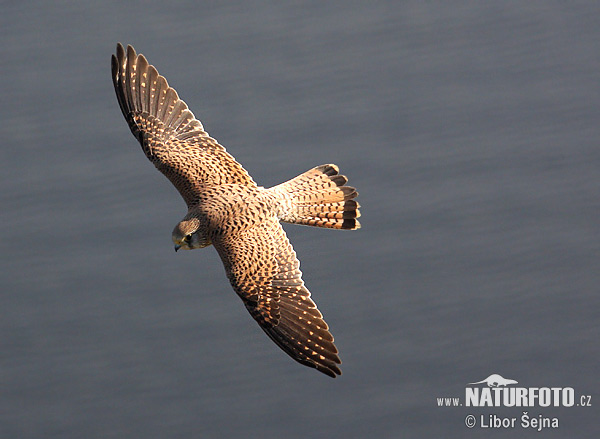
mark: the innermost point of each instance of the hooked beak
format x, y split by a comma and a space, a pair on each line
177, 247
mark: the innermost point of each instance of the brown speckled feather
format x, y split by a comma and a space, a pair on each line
263, 269
171, 137
242, 220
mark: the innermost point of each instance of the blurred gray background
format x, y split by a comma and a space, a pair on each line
471, 132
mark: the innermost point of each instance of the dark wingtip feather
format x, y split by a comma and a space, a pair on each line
120, 51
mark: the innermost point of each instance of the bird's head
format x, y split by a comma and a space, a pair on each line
187, 235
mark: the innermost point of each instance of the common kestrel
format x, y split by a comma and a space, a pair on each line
227, 209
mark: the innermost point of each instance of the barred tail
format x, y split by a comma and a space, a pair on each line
319, 198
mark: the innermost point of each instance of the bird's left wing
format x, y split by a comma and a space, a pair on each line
171, 137
264, 271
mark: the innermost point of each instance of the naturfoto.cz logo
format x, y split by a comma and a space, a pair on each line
497, 394
497, 391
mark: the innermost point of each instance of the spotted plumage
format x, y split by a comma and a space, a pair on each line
227, 209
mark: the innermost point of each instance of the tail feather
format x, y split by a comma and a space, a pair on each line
319, 198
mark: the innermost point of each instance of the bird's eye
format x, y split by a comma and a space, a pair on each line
187, 238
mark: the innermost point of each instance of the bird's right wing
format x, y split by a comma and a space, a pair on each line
264, 271
171, 137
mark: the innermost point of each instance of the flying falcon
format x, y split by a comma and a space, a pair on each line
227, 209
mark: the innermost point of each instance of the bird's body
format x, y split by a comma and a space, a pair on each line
230, 207
227, 209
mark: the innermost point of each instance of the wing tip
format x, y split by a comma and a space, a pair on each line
330, 368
